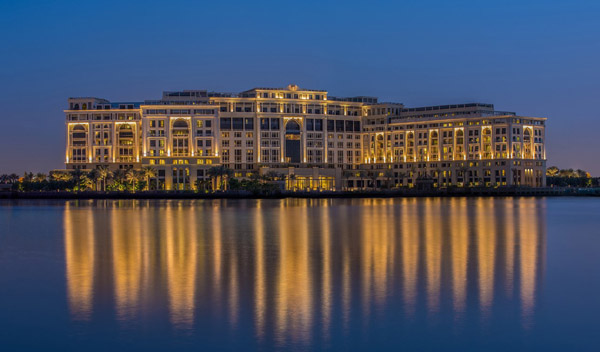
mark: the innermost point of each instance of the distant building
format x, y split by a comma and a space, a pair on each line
326, 142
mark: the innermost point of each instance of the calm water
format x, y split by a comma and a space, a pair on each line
416, 274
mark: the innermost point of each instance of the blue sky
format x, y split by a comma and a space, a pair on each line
538, 58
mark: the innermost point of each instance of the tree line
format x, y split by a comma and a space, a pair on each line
103, 179
100, 179
570, 178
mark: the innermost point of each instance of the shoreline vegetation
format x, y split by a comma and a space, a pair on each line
102, 183
459, 192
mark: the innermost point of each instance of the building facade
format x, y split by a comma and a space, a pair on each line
319, 142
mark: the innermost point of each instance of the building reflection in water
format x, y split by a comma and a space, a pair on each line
293, 269
80, 260
181, 251
128, 260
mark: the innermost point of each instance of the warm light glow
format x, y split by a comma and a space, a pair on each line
80, 260
486, 254
182, 252
303, 263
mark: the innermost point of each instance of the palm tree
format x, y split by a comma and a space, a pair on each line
131, 176
272, 175
55, 175
62, 176
552, 171
219, 174
28, 177
118, 179
292, 182
40, 177
13, 178
228, 173
103, 173
85, 183
582, 173
147, 173
567, 173
94, 176
214, 173
203, 185
76, 174
4, 178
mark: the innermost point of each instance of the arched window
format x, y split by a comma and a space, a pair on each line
292, 126
460, 137
79, 133
180, 124
125, 131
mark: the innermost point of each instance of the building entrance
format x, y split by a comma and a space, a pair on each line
293, 149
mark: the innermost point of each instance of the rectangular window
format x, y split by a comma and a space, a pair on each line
249, 124
264, 124
310, 125
225, 123
238, 123
275, 124
330, 125
318, 125
349, 126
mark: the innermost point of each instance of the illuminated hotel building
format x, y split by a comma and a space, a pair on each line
325, 142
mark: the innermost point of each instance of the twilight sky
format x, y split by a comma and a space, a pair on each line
537, 58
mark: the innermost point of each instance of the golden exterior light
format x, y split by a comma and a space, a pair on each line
401, 140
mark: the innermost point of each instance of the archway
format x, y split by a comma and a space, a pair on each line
293, 148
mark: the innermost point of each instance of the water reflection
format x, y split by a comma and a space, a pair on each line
80, 259
296, 271
182, 256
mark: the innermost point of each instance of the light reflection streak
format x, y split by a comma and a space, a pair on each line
529, 251
127, 263
303, 263
509, 239
294, 298
260, 289
410, 255
460, 245
433, 254
80, 260
486, 248
181, 247
326, 291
